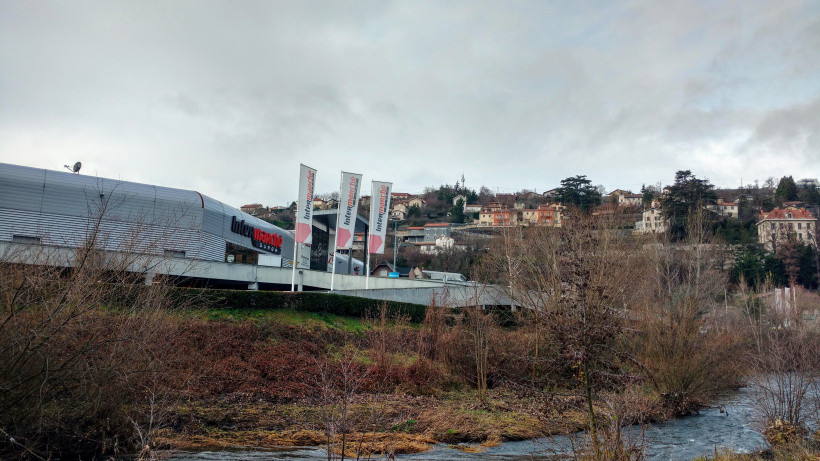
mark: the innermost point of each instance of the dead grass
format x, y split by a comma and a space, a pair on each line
801, 451
491, 442
407, 424
467, 448
358, 444
381, 443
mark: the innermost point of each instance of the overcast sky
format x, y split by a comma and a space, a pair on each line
227, 98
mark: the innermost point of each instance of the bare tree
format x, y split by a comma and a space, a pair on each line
784, 369
80, 332
339, 382
576, 279
681, 343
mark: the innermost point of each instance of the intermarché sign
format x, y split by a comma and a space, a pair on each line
259, 238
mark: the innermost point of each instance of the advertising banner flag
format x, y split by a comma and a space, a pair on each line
348, 204
379, 215
304, 213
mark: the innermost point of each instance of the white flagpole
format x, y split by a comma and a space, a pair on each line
333, 269
295, 246
336, 236
367, 275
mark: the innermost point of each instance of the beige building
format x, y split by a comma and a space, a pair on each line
777, 225
399, 211
546, 215
416, 202
475, 208
441, 245
497, 215
653, 221
252, 209
625, 198
727, 209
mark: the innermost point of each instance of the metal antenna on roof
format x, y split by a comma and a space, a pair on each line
75, 169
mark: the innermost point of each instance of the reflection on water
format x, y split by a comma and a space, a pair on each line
679, 439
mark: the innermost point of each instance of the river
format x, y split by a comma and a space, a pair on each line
677, 440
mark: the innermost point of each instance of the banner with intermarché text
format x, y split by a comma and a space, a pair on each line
348, 205
379, 215
304, 215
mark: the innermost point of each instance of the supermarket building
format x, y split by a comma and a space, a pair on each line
190, 237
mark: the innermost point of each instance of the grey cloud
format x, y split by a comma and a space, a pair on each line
236, 94
791, 133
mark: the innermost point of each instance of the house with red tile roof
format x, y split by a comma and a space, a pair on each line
251, 209
778, 225
394, 196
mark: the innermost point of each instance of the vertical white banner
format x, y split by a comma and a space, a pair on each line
304, 211
348, 205
379, 215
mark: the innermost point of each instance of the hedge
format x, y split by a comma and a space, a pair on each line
350, 306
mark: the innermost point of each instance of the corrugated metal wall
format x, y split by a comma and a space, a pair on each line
62, 209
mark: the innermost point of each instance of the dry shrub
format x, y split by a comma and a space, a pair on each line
688, 357
785, 370
79, 346
611, 446
393, 347
243, 359
780, 433
632, 406
685, 344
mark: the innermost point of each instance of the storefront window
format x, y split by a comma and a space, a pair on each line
240, 255
319, 250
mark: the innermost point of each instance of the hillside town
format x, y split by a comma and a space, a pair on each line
445, 228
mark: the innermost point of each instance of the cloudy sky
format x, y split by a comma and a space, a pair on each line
227, 98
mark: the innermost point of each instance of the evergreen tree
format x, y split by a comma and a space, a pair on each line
457, 212
689, 195
648, 194
786, 190
809, 195
577, 191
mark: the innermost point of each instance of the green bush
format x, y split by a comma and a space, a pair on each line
301, 301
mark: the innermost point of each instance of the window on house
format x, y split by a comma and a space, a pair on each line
800, 236
772, 226
800, 225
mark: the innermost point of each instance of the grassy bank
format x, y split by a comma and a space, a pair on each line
208, 376
273, 378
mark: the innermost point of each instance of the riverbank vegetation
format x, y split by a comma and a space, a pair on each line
609, 330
